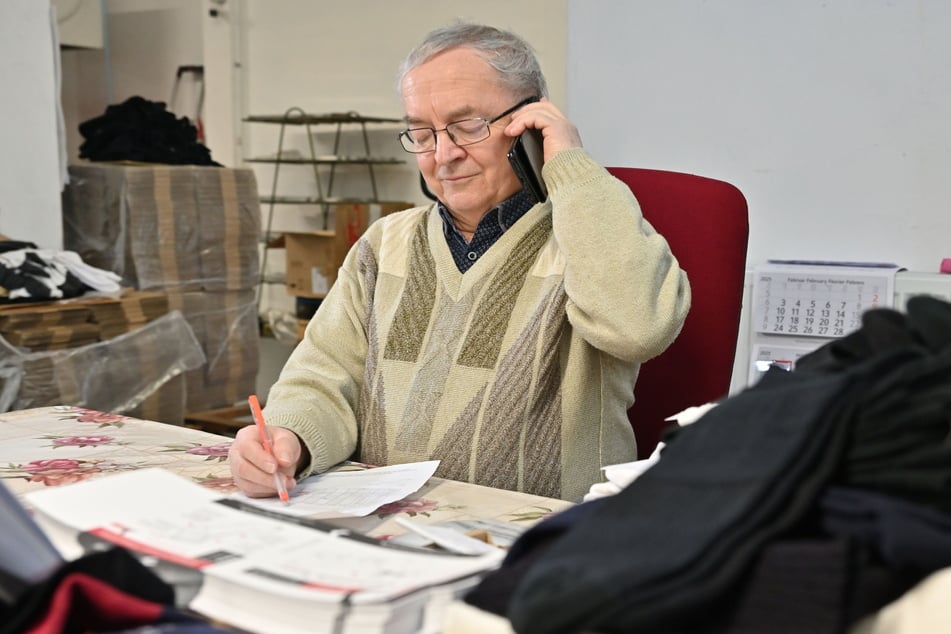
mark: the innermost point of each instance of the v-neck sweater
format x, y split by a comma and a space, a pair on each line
516, 374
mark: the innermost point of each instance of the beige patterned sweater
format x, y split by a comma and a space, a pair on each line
516, 374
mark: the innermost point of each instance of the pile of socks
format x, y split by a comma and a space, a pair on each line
144, 131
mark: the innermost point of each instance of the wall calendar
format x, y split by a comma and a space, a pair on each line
800, 305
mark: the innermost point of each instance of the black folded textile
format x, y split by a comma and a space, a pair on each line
495, 590
652, 557
142, 130
674, 551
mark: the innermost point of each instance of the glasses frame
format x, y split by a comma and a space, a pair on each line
405, 134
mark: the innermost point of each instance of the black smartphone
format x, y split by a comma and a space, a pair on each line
526, 156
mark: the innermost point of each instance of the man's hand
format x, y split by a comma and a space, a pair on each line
253, 468
559, 133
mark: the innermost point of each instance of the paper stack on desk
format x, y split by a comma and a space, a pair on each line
261, 572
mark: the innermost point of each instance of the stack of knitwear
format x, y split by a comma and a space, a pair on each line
29, 274
191, 233
802, 504
141, 130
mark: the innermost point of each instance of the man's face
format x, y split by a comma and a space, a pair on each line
452, 86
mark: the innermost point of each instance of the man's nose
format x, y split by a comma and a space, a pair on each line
446, 149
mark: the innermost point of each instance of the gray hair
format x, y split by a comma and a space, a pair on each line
509, 54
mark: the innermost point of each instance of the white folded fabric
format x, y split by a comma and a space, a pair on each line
95, 278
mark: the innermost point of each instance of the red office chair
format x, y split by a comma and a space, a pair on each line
705, 222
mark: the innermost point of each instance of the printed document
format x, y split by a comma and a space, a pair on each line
349, 493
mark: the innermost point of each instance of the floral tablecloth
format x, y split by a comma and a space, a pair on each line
54, 446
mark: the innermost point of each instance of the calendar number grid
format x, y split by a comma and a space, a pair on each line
807, 305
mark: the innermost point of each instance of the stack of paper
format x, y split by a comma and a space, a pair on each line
261, 572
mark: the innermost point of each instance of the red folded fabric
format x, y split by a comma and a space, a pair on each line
84, 603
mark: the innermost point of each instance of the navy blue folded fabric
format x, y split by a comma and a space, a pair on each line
904, 535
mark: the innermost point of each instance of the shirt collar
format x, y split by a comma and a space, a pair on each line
505, 214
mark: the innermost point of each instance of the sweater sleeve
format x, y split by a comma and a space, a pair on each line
317, 392
627, 294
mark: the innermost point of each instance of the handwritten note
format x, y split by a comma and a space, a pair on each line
349, 493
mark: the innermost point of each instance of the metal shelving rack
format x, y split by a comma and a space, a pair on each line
296, 117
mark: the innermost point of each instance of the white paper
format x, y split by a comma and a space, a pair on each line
448, 538
170, 517
349, 493
503, 534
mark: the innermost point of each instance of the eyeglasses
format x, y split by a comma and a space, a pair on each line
462, 133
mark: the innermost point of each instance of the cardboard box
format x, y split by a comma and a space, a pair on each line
311, 262
314, 257
53, 337
179, 227
88, 362
14, 317
74, 322
128, 313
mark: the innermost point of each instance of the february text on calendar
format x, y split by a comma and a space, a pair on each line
814, 305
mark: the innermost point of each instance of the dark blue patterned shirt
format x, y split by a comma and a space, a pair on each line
490, 229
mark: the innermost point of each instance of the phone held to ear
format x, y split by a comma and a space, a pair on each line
527, 156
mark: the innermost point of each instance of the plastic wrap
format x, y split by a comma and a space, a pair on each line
169, 227
117, 375
226, 325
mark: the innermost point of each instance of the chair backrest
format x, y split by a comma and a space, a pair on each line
705, 222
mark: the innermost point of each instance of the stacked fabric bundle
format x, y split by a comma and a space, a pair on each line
800, 505
29, 274
141, 130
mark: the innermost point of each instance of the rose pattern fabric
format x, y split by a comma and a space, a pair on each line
58, 471
81, 441
61, 471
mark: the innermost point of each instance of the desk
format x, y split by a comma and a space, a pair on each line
53, 446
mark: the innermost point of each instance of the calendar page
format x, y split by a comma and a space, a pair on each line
799, 306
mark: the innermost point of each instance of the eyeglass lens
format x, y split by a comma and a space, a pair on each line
465, 132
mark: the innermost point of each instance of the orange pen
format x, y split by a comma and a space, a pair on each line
259, 421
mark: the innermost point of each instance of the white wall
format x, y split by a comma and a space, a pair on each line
30, 172
834, 118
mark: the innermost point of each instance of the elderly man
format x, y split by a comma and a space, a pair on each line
499, 334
